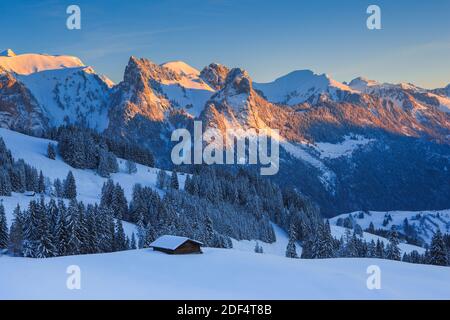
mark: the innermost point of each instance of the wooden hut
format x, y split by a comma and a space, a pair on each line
176, 245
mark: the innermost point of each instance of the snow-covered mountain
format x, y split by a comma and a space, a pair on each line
76, 95
303, 85
417, 100
443, 91
331, 133
31, 62
49, 91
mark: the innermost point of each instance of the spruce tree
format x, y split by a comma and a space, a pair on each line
108, 190
3, 228
16, 237
174, 180
119, 203
73, 244
51, 153
5, 183
326, 240
438, 250
393, 251
58, 187
92, 233
133, 245
41, 183
119, 238
161, 181
31, 230
45, 247
209, 232
290, 249
62, 230
70, 188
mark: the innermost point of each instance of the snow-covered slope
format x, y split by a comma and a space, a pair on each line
31, 62
217, 274
89, 183
339, 232
300, 86
277, 248
425, 223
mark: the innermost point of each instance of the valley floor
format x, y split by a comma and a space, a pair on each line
216, 274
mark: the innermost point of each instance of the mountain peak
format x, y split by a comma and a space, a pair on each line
215, 75
239, 80
7, 53
362, 83
181, 68
301, 85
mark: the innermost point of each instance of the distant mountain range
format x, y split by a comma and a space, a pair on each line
350, 146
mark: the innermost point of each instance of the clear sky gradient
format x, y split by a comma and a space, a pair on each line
266, 37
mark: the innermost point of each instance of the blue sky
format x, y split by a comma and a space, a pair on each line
266, 37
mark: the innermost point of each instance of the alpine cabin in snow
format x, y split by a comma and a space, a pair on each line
176, 245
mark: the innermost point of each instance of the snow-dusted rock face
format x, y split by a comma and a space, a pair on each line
141, 111
19, 110
215, 75
135, 94
151, 90
237, 105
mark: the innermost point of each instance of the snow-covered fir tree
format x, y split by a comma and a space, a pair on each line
51, 152
70, 188
120, 238
133, 245
291, 251
393, 250
438, 250
3, 228
174, 184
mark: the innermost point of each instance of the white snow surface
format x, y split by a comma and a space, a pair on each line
277, 248
30, 63
216, 274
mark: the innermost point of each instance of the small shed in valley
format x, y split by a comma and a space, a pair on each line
176, 245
